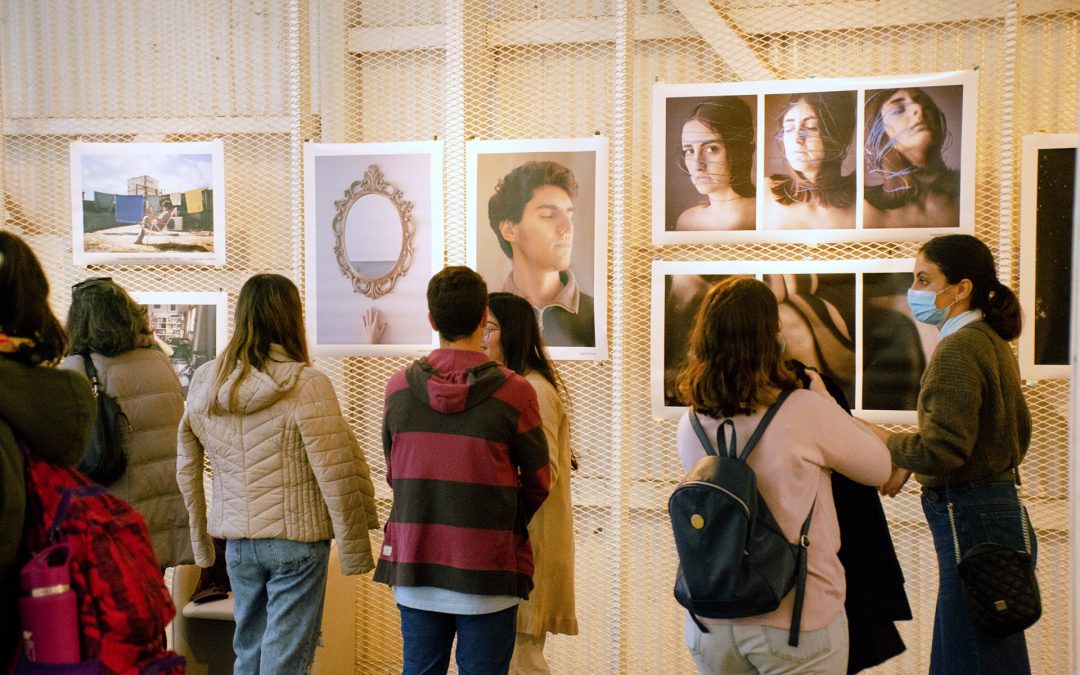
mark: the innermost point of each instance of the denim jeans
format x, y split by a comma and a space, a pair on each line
278, 589
485, 642
983, 512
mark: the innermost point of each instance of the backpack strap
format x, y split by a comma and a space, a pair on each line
769, 414
702, 436
800, 577
804, 540
83, 491
721, 440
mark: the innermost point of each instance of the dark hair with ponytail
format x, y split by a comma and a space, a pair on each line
962, 256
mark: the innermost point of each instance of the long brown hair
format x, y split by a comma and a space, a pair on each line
268, 312
734, 363
900, 183
523, 347
24, 304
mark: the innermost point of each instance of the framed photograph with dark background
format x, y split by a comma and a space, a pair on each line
1047, 209
848, 319
813, 161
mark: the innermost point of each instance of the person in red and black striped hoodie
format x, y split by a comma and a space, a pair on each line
467, 461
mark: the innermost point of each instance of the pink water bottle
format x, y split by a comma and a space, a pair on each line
50, 616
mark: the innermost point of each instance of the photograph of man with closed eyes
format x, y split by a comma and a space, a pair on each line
537, 222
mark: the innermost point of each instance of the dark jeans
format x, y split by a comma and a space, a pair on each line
983, 512
485, 642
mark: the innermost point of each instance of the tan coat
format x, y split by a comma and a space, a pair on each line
550, 607
146, 387
285, 464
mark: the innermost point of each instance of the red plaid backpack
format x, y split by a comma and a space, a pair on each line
124, 605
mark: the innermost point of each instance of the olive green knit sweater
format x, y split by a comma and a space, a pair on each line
973, 419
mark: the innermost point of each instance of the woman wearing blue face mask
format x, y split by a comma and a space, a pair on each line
974, 429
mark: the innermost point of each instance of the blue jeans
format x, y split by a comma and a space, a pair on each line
983, 512
278, 589
485, 642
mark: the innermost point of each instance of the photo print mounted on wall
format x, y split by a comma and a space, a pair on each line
190, 327
848, 319
1047, 209
374, 237
536, 216
822, 160
148, 203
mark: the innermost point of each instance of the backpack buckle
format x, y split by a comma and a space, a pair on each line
804, 541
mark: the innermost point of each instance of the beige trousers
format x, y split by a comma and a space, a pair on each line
528, 656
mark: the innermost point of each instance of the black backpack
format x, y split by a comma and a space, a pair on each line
105, 459
734, 560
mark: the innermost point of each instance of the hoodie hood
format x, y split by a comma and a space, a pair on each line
261, 388
452, 380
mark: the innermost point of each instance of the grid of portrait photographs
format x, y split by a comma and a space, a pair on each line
821, 160
189, 327
374, 238
1047, 211
848, 319
536, 225
148, 203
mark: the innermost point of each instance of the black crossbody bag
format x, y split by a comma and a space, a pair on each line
999, 581
105, 458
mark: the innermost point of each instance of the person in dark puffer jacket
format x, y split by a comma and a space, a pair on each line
50, 410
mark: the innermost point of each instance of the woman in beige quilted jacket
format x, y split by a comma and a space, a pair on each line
288, 476
111, 328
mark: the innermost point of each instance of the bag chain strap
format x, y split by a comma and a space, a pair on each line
1023, 519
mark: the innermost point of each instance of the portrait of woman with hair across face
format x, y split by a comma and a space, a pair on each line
814, 133
908, 183
717, 153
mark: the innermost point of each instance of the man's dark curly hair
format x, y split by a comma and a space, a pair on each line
515, 190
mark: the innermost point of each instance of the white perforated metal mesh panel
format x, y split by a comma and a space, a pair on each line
266, 75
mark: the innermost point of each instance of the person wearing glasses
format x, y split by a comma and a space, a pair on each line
815, 131
512, 338
107, 326
717, 153
48, 410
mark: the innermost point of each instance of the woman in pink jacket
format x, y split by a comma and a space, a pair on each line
734, 372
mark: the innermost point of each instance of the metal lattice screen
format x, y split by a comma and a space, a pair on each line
264, 76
